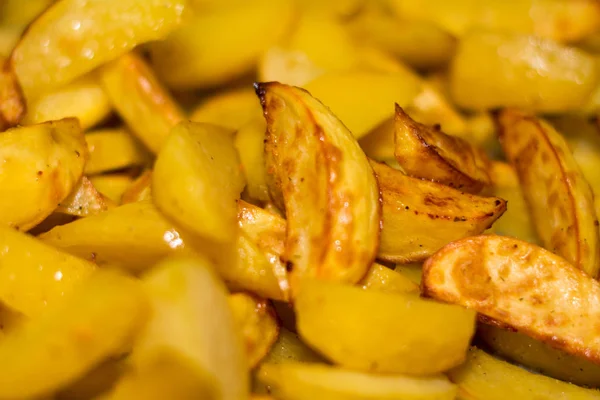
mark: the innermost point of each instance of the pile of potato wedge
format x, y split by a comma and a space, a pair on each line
299, 199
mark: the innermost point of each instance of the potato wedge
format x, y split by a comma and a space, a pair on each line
375, 335
484, 377
191, 347
305, 381
428, 153
528, 72
231, 109
250, 144
207, 52
256, 319
140, 99
113, 149
12, 103
84, 201
140, 189
387, 280
420, 217
112, 185
329, 190
560, 201
540, 356
289, 348
73, 37
96, 382
83, 98
39, 166
197, 179
516, 284
412, 271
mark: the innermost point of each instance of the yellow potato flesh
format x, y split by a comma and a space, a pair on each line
140, 99
190, 346
84, 200
140, 189
484, 377
231, 109
373, 331
305, 381
95, 382
249, 142
94, 322
12, 103
112, 185
197, 179
528, 72
73, 37
387, 280
39, 166
83, 98
113, 149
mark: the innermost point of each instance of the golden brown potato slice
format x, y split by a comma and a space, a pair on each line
428, 153
328, 188
94, 322
516, 284
148, 109
256, 320
484, 377
190, 347
112, 185
387, 280
40, 166
369, 330
560, 201
84, 201
231, 108
113, 149
84, 99
540, 356
250, 144
73, 37
12, 103
306, 381
420, 217
140, 189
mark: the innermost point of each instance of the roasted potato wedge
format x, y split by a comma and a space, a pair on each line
140, 189
232, 109
520, 71
387, 280
560, 201
420, 217
250, 144
256, 319
84, 201
382, 341
306, 381
73, 37
113, 149
40, 166
12, 103
190, 346
95, 321
328, 188
428, 153
140, 99
516, 284
484, 377
112, 185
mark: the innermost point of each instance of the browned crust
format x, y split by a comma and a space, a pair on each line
12, 101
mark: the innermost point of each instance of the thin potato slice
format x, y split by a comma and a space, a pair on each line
39, 166
73, 37
256, 319
94, 322
140, 99
373, 331
232, 109
12, 103
427, 152
112, 185
113, 149
140, 189
305, 381
484, 377
420, 217
328, 187
516, 284
197, 180
560, 201
84, 99
497, 69
387, 280
250, 144
190, 348
84, 201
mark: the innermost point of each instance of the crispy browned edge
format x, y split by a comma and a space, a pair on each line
12, 101
331, 157
553, 341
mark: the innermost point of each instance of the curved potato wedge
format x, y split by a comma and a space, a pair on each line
256, 319
428, 153
516, 284
148, 109
12, 103
84, 200
113, 149
307, 381
560, 201
329, 190
40, 165
420, 217
484, 377
73, 37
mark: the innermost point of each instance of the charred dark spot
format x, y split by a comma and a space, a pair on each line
596, 223
40, 173
406, 208
77, 153
289, 267
459, 219
437, 127
497, 202
93, 257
